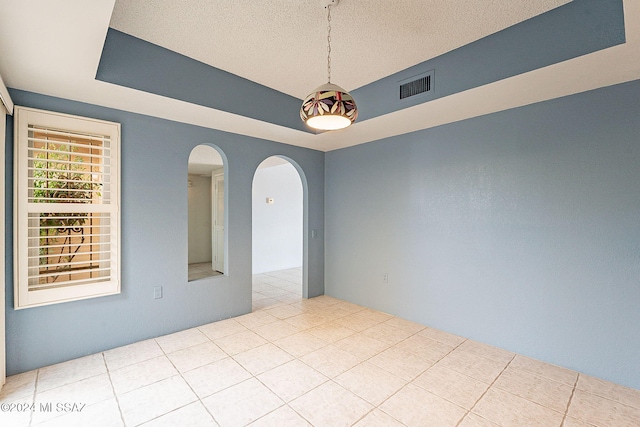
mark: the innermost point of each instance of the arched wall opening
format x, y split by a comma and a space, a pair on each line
207, 213
279, 221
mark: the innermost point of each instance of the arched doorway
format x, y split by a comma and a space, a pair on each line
277, 233
207, 213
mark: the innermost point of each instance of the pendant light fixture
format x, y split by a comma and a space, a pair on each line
329, 107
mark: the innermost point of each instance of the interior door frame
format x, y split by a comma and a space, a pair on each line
217, 265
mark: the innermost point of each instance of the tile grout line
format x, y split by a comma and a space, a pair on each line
487, 390
198, 399
113, 389
35, 392
411, 382
573, 392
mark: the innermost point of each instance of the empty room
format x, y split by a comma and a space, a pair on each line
320, 213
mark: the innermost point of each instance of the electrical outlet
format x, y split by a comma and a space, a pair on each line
157, 292
385, 277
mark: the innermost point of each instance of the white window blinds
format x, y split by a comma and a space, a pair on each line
67, 197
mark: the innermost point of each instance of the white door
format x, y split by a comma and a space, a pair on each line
3, 367
218, 222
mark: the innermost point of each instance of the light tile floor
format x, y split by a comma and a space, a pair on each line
321, 362
201, 270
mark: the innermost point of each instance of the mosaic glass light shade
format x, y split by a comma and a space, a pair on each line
329, 107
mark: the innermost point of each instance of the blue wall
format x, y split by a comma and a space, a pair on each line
155, 153
519, 229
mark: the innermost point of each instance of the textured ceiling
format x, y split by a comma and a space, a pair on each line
283, 44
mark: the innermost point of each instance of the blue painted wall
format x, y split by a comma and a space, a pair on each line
154, 241
135, 63
574, 29
519, 229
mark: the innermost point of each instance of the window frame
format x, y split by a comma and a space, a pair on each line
24, 118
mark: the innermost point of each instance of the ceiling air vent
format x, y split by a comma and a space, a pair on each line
416, 86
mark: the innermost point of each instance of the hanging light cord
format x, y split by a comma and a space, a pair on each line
329, 44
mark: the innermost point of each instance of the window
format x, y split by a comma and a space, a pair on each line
67, 196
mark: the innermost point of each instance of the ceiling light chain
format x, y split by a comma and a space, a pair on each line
329, 43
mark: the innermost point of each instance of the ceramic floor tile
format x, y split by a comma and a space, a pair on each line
17, 386
414, 406
253, 320
490, 352
572, 422
475, 366
306, 320
507, 409
80, 393
152, 401
276, 330
132, 354
308, 305
242, 403
284, 311
625, 395
548, 393
331, 332
458, 388
344, 306
180, 340
387, 333
274, 293
101, 414
198, 355
292, 379
546, 370
141, 374
357, 322
68, 372
377, 418
361, 345
192, 415
424, 347
13, 417
300, 344
441, 336
370, 382
473, 420
339, 310
263, 358
240, 342
330, 405
401, 363
264, 304
221, 329
601, 411
327, 300
377, 316
405, 325
257, 296
283, 416
289, 298
214, 377
331, 361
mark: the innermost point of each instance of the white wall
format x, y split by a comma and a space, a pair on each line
277, 228
199, 219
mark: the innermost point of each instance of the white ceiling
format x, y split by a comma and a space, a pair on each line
53, 47
283, 44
